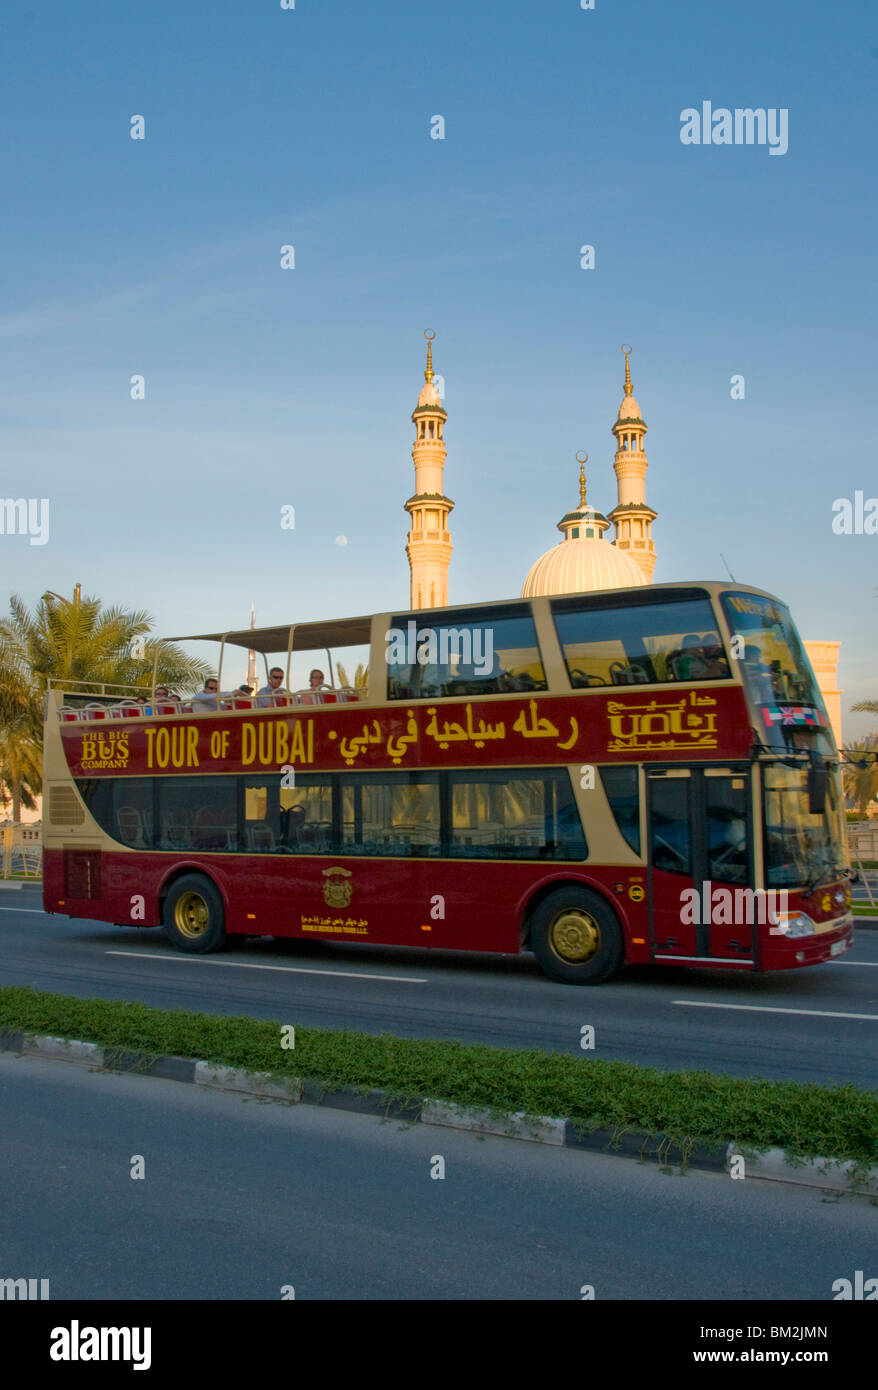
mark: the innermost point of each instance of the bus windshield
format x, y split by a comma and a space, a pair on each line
799, 845
773, 662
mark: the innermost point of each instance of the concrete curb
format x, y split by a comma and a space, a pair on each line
773, 1166
18, 883
865, 923
541, 1130
821, 1173
255, 1083
62, 1050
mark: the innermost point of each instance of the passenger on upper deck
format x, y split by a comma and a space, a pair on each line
274, 687
312, 695
691, 664
714, 658
207, 696
161, 693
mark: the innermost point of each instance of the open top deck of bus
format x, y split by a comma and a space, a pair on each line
618, 637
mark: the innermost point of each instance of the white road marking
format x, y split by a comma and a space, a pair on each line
768, 1009
289, 969
37, 911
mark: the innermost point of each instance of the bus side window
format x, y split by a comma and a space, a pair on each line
726, 816
670, 835
621, 785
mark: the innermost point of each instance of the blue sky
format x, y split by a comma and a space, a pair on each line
267, 387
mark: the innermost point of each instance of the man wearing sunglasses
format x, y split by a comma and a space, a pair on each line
208, 696
265, 696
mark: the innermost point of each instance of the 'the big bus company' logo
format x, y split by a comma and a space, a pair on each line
106, 749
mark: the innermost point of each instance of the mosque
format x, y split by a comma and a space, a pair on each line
584, 559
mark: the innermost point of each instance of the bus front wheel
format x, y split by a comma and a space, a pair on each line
194, 917
576, 937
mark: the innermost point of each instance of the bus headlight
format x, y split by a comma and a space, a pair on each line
792, 924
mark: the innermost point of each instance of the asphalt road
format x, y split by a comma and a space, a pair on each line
241, 1198
819, 1024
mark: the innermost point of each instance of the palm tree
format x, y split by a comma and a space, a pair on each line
21, 734
361, 677
860, 774
867, 706
68, 642
82, 641
21, 777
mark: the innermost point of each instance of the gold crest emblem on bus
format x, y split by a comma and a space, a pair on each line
336, 891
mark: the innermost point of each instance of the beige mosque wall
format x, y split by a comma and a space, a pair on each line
824, 658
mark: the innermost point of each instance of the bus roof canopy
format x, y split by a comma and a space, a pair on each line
345, 632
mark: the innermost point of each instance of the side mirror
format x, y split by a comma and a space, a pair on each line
817, 788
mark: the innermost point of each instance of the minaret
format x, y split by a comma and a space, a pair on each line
251, 656
631, 517
429, 541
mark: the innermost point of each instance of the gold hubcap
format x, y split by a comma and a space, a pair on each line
574, 935
191, 915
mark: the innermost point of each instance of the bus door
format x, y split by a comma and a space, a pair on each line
700, 864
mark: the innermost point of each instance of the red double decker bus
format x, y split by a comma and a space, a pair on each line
640, 776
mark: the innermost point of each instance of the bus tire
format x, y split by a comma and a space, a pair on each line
576, 937
194, 917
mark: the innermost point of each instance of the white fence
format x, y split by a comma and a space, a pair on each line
863, 839
22, 851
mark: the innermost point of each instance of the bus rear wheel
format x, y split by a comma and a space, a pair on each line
576, 937
194, 917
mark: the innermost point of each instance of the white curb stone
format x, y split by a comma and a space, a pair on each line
256, 1083
541, 1129
86, 1054
813, 1172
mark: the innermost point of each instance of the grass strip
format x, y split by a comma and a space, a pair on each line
690, 1108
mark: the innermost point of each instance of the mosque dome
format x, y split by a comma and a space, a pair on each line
582, 561
576, 566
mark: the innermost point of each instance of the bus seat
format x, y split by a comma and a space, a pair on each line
131, 827
260, 838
